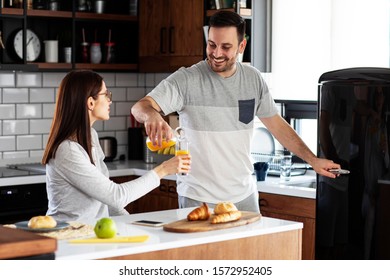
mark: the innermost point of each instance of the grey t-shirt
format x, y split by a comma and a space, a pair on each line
217, 115
80, 191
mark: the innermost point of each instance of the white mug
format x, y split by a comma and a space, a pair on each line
51, 51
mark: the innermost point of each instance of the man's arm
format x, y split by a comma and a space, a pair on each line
148, 112
288, 137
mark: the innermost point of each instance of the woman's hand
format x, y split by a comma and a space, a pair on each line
177, 164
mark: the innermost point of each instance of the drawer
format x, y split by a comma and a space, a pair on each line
290, 205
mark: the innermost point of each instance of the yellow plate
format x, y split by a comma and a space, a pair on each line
127, 239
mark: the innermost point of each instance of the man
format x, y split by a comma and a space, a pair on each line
217, 100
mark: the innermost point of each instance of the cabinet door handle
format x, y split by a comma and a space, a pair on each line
171, 39
163, 34
172, 189
163, 188
263, 202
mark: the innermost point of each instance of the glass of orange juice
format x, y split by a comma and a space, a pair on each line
182, 148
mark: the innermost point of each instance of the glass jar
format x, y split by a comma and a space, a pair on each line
96, 53
182, 145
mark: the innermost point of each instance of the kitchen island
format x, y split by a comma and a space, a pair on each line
26, 186
267, 238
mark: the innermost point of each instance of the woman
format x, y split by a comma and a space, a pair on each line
77, 180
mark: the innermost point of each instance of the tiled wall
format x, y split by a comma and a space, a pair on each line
27, 102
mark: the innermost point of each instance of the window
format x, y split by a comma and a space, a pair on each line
312, 37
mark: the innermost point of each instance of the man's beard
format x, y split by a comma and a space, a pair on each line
224, 65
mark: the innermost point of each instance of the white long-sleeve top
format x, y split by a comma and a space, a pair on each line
80, 191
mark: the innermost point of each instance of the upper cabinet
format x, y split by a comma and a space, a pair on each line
110, 26
171, 34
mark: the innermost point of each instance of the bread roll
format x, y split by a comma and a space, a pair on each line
224, 207
200, 213
42, 222
226, 217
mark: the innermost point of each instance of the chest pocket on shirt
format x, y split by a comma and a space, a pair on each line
246, 110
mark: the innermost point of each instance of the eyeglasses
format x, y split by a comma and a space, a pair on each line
108, 95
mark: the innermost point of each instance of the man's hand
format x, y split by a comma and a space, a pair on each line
157, 129
147, 111
321, 166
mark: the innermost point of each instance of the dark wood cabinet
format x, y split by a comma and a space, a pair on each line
115, 25
296, 209
171, 34
164, 197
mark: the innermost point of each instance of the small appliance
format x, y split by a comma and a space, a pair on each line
110, 147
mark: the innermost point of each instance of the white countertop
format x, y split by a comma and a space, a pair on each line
161, 240
301, 186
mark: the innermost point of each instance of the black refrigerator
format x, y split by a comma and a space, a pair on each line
353, 211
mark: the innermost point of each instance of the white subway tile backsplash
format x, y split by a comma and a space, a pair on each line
40, 126
98, 126
141, 80
7, 143
106, 133
27, 105
31, 111
15, 127
149, 89
7, 111
45, 137
7, 79
122, 150
126, 80
112, 110
28, 79
42, 95
48, 110
121, 137
149, 80
21, 154
115, 123
29, 142
159, 77
135, 94
123, 108
15, 95
52, 79
109, 79
37, 154
118, 94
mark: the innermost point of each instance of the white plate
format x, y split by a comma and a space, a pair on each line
262, 142
24, 225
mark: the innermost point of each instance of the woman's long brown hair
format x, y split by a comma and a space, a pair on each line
71, 118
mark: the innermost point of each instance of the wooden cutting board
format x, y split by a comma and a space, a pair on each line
185, 226
15, 243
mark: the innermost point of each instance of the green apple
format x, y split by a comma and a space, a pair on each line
105, 228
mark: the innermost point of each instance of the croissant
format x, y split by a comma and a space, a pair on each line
200, 213
226, 217
224, 207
